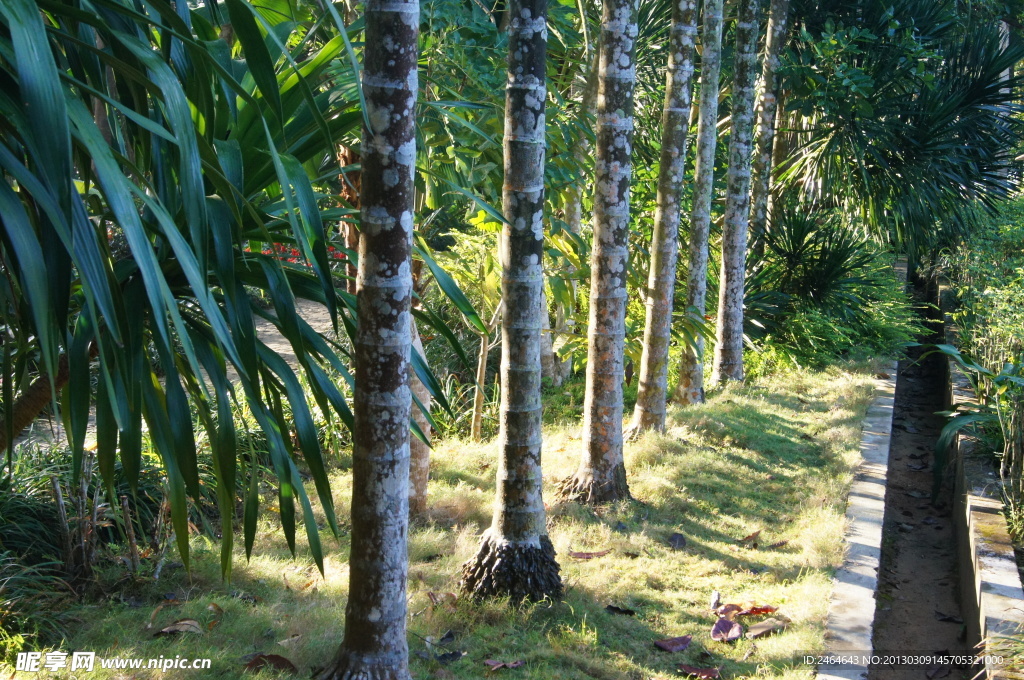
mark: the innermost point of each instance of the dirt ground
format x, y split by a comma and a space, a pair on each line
917, 603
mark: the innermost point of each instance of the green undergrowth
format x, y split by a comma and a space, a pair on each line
773, 456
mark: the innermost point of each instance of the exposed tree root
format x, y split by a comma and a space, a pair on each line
522, 572
352, 666
586, 489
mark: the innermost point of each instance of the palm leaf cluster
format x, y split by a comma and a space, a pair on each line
195, 146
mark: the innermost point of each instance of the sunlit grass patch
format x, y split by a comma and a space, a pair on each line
772, 457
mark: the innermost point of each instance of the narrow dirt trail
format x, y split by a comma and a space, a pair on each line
917, 603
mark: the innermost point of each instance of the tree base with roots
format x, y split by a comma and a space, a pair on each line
585, 488
521, 571
353, 666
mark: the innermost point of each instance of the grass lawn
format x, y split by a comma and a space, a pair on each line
774, 456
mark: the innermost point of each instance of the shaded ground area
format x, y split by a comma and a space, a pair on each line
918, 608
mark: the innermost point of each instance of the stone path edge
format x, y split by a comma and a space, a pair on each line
851, 612
991, 596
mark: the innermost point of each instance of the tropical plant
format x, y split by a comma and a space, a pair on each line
690, 389
602, 473
375, 643
652, 396
728, 362
516, 557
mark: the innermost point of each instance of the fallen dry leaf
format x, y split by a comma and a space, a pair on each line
152, 616
495, 665
716, 599
275, 661
751, 537
215, 608
751, 609
729, 611
726, 630
182, 626
589, 555
766, 627
778, 544
703, 673
676, 644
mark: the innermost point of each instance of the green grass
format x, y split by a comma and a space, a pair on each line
774, 456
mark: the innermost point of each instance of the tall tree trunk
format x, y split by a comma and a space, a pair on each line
32, 400
690, 389
602, 474
729, 341
661, 283
761, 173
516, 557
574, 218
476, 428
375, 645
419, 452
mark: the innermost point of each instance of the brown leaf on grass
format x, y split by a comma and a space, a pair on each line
494, 665
726, 630
152, 616
181, 626
213, 624
703, 673
751, 609
716, 599
751, 537
766, 627
589, 555
677, 541
290, 640
729, 611
676, 644
275, 661
215, 608
779, 544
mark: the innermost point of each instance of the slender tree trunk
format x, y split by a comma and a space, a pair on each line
690, 389
375, 646
516, 557
32, 400
548, 360
574, 218
729, 341
661, 283
602, 474
761, 172
476, 431
419, 452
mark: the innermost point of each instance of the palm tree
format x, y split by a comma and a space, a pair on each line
767, 107
729, 341
375, 643
690, 389
516, 557
601, 476
652, 395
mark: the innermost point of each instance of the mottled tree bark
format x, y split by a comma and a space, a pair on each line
690, 389
375, 646
516, 557
419, 452
767, 105
728, 363
602, 475
661, 283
